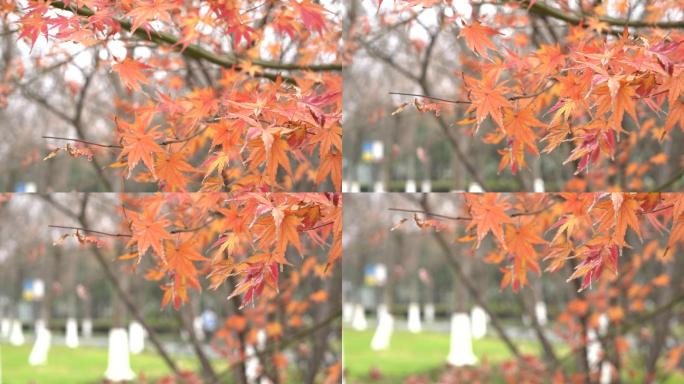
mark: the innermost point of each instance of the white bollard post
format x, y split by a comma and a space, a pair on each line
540, 313
414, 325
16, 336
475, 188
261, 339
136, 334
199, 329
347, 312
251, 365
429, 313
410, 186
345, 186
5, 327
87, 328
378, 187
479, 322
41, 346
118, 360
606, 372
426, 186
538, 185
593, 350
359, 322
383, 332
355, 187
71, 333
461, 343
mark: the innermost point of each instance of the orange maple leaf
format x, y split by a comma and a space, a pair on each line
149, 231
132, 73
170, 170
488, 212
478, 37
139, 144
487, 99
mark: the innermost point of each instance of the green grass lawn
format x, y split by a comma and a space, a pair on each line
425, 354
413, 353
77, 366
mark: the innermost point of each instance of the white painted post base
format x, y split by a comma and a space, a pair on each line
383, 332
359, 322
16, 337
414, 325
410, 186
378, 187
345, 186
461, 343
429, 313
87, 328
606, 373
479, 322
593, 350
199, 329
538, 185
540, 313
347, 312
426, 186
355, 187
252, 367
5, 327
261, 339
136, 335
41, 346
475, 188
71, 333
118, 360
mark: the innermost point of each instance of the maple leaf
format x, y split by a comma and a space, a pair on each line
138, 143
488, 212
280, 229
311, 14
170, 170
674, 116
520, 242
239, 32
132, 73
331, 165
519, 124
145, 11
617, 97
33, 24
272, 150
180, 260
620, 213
595, 255
478, 37
487, 99
260, 272
149, 231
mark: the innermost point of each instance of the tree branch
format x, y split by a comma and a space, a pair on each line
197, 52
547, 10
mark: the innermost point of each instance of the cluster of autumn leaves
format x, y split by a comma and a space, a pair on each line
265, 119
581, 92
589, 230
257, 124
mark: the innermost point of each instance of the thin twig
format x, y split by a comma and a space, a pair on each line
83, 141
90, 231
